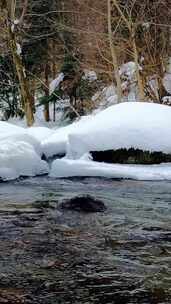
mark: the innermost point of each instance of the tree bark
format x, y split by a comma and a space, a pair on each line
114, 55
23, 82
138, 76
134, 47
17, 60
46, 90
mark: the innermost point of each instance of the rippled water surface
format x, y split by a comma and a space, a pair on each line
51, 256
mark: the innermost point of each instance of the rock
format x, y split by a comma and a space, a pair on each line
131, 156
84, 203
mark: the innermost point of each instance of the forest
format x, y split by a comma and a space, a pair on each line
42, 39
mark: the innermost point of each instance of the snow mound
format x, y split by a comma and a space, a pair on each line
20, 153
18, 158
71, 168
40, 133
57, 143
9, 129
15, 133
144, 126
139, 125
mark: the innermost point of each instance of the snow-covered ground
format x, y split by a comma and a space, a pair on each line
144, 126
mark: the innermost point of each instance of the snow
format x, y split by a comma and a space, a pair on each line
19, 50
166, 100
167, 82
20, 153
18, 158
71, 168
146, 25
40, 133
128, 70
9, 129
139, 125
89, 75
57, 143
15, 133
55, 83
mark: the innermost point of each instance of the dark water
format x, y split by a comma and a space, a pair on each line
120, 256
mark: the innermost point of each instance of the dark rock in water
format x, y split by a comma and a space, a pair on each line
84, 204
131, 156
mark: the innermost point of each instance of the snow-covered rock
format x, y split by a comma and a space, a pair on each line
167, 82
142, 126
89, 75
72, 168
15, 133
55, 83
18, 158
57, 143
128, 70
20, 153
9, 129
139, 125
40, 133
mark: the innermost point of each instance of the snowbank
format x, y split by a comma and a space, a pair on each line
71, 168
139, 125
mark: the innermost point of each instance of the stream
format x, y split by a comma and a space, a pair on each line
54, 256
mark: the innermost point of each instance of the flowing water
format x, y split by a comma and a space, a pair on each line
48, 255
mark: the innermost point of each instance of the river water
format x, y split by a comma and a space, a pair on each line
52, 256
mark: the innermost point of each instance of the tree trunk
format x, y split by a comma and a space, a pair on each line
17, 60
139, 80
46, 90
24, 85
114, 55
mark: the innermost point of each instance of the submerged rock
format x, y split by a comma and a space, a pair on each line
84, 203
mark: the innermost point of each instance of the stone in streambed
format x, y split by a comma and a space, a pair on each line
84, 203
